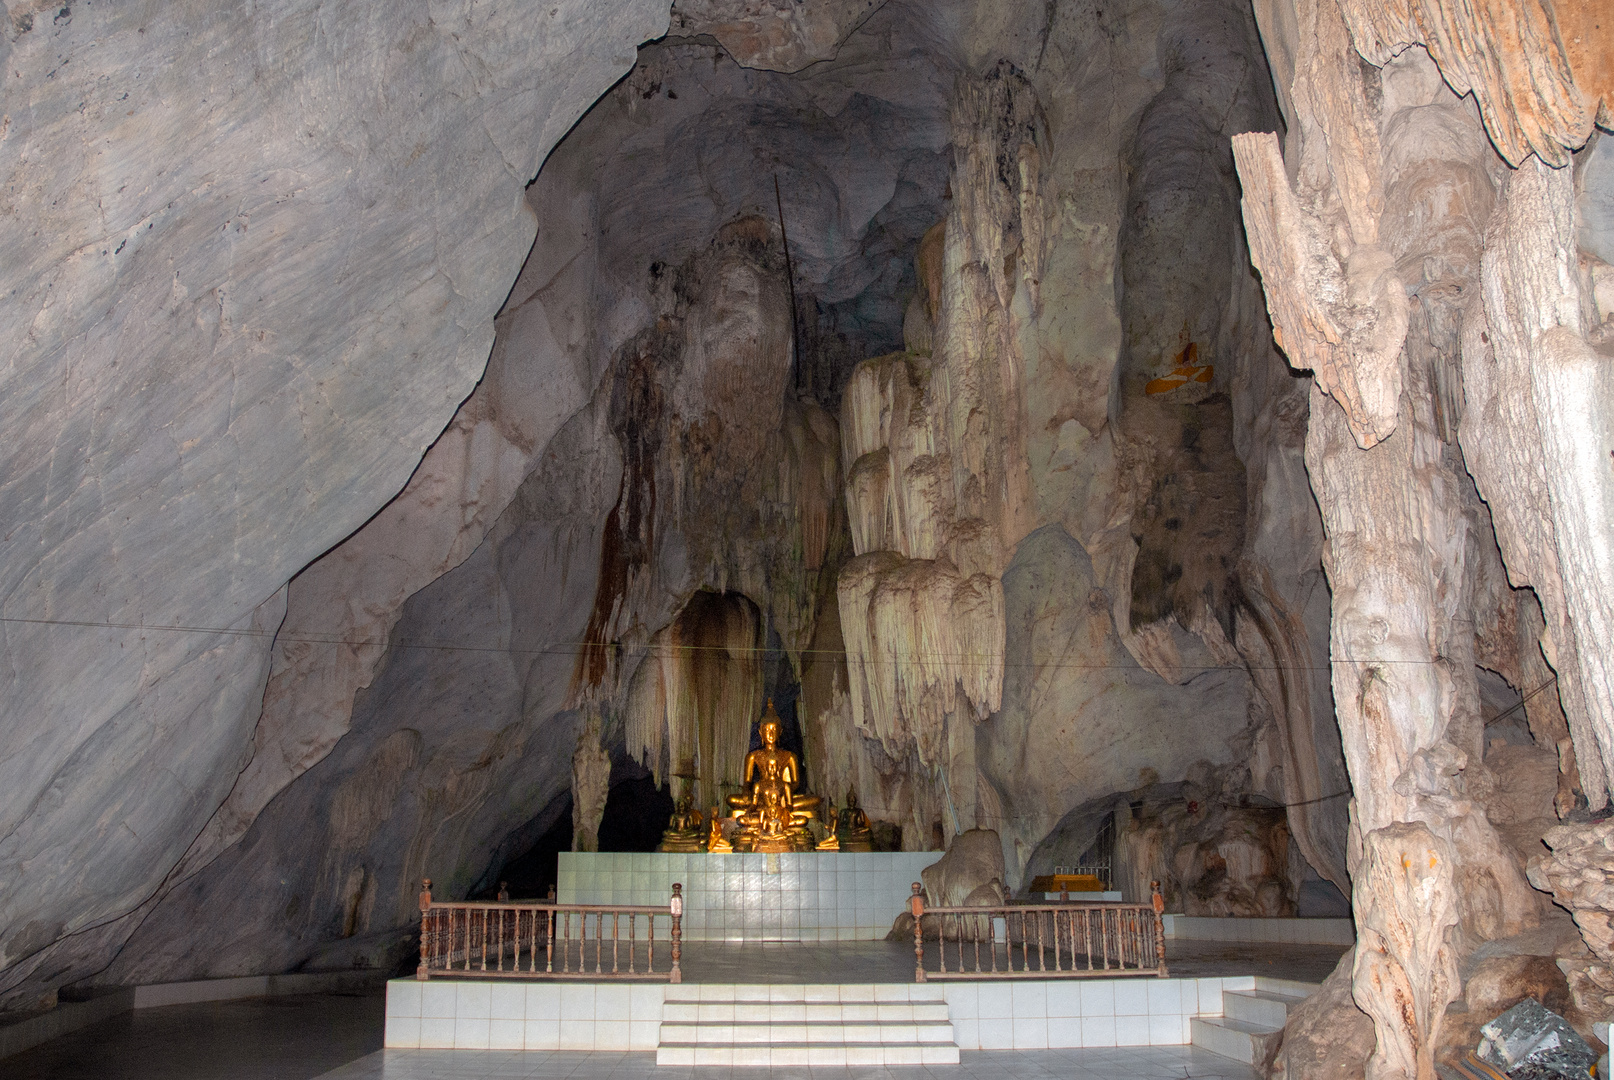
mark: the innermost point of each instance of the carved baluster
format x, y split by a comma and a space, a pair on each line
916, 905
549, 942
426, 930
676, 907
1158, 901
1042, 964
616, 931
566, 942
1104, 928
975, 935
1054, 933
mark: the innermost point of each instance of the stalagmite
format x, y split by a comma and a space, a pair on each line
1406, 969
591, 783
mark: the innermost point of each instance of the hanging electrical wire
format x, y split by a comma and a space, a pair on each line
571, 648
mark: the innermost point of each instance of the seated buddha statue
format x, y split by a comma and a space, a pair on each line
683, 829
852, 831
772, 814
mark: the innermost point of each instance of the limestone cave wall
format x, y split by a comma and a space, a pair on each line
253, 261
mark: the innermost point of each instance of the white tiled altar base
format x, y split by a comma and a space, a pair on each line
807, 896
1032, 1014
1287, 931
506, 1015
987, 1015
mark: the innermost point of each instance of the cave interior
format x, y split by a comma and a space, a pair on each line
1164, 436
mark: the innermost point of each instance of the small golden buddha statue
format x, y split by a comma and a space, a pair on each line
851, 826
683, 828
716, 842
772, 814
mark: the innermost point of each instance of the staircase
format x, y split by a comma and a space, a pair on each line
838, 1026
1252, 1021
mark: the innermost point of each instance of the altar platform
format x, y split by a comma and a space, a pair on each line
813, 896
847, 1003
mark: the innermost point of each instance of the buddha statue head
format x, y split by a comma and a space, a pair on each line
769, 727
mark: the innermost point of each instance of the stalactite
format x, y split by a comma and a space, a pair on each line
924, 649
869, 504
809, 475
696, 695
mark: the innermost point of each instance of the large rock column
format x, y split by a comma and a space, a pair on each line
1368, 233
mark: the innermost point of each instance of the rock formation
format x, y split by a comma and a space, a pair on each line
1576, 873
1407, 266
198, 410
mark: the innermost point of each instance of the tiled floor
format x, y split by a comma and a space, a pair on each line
312, 1036
288, 1038
1142, 1063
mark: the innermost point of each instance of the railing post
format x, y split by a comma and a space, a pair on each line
422, 972
504, 892
676, 906
916, 905
1159, 902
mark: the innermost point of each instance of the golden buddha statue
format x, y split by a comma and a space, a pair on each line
772, 814
683, 828
716, 842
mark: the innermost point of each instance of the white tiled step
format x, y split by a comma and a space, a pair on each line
1260, 1007
1292, 987
799, 1012
786, 993
837, 1055
1236, 1039
832, 1026
824, 1032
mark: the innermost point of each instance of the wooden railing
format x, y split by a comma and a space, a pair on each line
532, 940
1040, 941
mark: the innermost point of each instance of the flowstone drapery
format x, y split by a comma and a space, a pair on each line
938, 491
